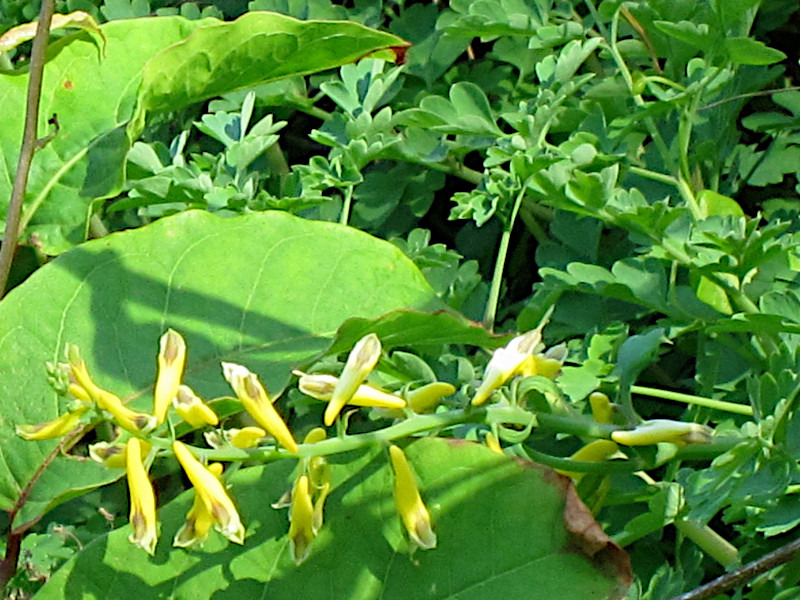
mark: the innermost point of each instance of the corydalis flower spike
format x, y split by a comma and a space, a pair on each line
256, 402
413, 513
143, 499
171, 362
360, 362
212, 493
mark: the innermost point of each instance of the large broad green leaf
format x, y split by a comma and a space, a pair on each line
147, 65
506, 529
268, 291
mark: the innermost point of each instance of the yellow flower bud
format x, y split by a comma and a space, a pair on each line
664, 430
171, 362
493, 443
256, 402
58, 427
413, 514
143, 499
112, 455
359, 365
192, 409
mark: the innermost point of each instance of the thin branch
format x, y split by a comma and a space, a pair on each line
30, 143
743, 574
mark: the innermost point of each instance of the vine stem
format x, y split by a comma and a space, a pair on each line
500, 263
29, 145
743, 574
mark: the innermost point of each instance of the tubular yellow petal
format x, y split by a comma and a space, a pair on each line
246, 437
143, 499
192, 409
128, 419
198, 519
301, 528
171, 362
359, 365
663, 430
256, 402
58, 427
426, 398
319, 507
212, 493
414, 515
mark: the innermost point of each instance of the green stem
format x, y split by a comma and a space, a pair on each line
710, 542
500, 263
28, 147
348, 199
654, 175
732, 407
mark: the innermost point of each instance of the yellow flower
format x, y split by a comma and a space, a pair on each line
321, 387
362, 359
58, 427
256, 402
143, 499
425, 398
301, 528
657, 431
212, 493
246, 437
413, 513
111, 455
198, 520
602, 408
171, 361
128, 419
192, 409
505, 362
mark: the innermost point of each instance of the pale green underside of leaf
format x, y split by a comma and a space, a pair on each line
267, 290
156, 63
499, 522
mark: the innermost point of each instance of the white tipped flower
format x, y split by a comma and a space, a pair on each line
362, 359
192, 409
505, 362
657, 431
321, 387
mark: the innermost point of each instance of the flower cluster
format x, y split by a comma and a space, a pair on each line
142, 437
